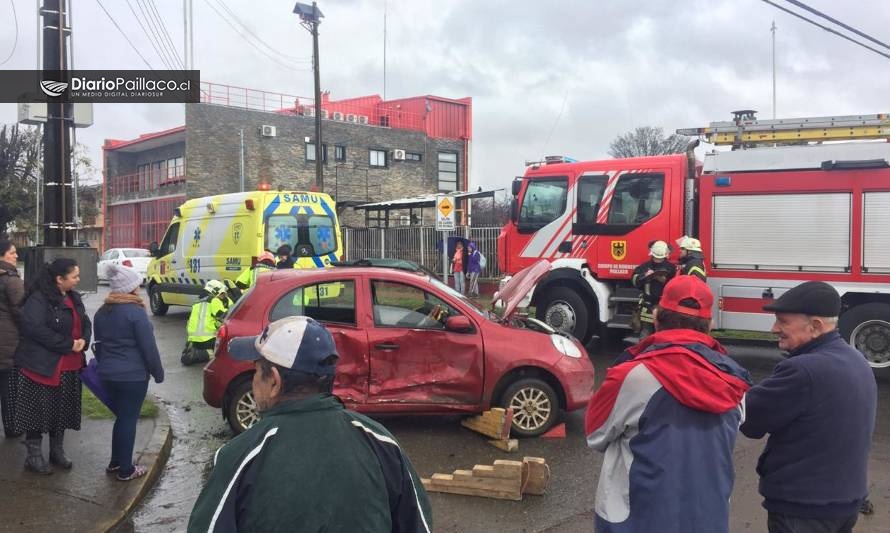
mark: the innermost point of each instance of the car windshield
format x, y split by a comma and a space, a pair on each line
313, 232
451, 292
135, 252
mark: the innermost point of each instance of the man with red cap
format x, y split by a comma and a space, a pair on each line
666, 417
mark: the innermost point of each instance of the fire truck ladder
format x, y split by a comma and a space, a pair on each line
745, 130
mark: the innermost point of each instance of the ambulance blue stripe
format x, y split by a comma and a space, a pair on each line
309, 211
273, 205
327, 209
294, 211
332, 257
317, 261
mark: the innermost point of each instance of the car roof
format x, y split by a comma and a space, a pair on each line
336, 271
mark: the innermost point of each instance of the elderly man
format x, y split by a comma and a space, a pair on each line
667, 417
819, 409
308, 464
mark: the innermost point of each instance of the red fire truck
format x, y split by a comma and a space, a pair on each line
768, 216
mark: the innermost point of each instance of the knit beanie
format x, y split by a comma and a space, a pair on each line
123, 279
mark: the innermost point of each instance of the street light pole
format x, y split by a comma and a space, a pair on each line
311, 17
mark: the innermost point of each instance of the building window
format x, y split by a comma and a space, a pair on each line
310, 152
411, 156
144, 173
378, 158
339, 153
447, 171
175, 169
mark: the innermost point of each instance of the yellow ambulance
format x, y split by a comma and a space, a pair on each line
217, 237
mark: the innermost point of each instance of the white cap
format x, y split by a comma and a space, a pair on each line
659, 250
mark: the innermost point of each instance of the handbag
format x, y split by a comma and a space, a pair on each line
90, 377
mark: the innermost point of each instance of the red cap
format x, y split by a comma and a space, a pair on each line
688, 295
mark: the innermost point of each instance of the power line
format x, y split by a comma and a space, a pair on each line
250, 42
145, 31
15, 42
839, 23
160, 19
162, 51
258, 38
826, 28
133, 46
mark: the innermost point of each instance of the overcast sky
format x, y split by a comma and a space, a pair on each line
559, 77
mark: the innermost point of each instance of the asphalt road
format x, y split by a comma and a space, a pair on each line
437, 444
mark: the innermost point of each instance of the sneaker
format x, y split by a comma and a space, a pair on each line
138, 471
112, 468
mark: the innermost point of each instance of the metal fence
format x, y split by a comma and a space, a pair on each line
421, 244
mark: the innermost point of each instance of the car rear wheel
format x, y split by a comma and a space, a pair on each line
242, 409
156, 302
867, 328
535, 406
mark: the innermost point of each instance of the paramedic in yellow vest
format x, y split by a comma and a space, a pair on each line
650, 278
204, 321
265, 263
692, 260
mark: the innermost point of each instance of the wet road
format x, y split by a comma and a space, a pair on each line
438, 444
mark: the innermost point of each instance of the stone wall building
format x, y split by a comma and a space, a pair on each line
372, 150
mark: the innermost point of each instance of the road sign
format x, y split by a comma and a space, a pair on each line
444, 213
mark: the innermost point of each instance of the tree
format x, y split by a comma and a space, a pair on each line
19, 168
647, 141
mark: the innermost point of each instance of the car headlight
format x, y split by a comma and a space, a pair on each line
565, 346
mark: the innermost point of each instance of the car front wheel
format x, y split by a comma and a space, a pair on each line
535, 406
156, 302
242, 409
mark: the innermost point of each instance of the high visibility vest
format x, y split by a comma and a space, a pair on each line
247, 278
203, 324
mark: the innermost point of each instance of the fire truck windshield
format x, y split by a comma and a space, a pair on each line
544, 201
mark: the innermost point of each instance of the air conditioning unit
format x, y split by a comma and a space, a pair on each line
363, 119
398, 155
338, 115
308, 111
351, 118
268, 131
324, 113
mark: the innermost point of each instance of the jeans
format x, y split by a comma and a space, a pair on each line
473, 284
782, 523
126, 402
459, 282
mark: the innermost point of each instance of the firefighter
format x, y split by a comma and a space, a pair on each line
650, 278
265, 263
692, 260
204, 321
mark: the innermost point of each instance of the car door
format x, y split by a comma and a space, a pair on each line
414, 359
108, 258
333, 303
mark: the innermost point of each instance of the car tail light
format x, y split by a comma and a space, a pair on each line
128, 263
249, 204
221, 335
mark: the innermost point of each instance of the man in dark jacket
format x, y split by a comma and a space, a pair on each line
308, 464
819, 408
692, 260
651, 277
667, 416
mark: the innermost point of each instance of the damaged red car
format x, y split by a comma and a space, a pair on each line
409, 344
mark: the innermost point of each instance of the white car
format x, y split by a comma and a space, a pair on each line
135, 258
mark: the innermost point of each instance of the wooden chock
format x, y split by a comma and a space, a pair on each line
494, 423
504, 480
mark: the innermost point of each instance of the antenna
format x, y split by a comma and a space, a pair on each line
773, 31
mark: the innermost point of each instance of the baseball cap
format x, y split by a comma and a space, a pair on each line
296, 342
814, 298
687, 295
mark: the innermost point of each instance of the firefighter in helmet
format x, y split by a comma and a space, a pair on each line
265, 263
204, 321
650, 278
692, 260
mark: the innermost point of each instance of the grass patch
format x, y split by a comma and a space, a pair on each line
93, 409
744, 335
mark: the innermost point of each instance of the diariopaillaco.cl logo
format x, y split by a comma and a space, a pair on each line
53, 88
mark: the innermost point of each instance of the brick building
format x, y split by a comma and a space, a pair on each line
372, 150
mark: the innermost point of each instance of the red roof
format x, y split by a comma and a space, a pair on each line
115, 144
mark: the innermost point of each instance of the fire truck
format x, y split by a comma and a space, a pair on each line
792, 200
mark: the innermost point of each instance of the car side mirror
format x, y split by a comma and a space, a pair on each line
458, 324
514, 210
516, 187
153, 248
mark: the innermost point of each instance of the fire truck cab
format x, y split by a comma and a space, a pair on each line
768, 217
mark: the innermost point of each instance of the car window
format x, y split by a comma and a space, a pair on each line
136, 252
544, 201
332, 301
454, 294
169, 244
404, 306
636, 199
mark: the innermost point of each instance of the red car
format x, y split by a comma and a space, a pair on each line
410, 344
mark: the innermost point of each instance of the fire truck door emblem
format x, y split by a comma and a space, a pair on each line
619, 250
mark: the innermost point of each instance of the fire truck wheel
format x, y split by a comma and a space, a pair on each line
867, 328
155, 302
564, 310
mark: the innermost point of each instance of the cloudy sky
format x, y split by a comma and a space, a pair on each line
559, 77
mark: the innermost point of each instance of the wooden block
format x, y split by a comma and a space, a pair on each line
493, 423
503, 480
509, 445
535, 475
462, 474
487, 471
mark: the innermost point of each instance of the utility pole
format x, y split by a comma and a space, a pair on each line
385, 5
58, 212
773, 31
241, 159
311, 17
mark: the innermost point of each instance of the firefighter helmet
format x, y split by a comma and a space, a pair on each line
659, 250
689, 243
215, 287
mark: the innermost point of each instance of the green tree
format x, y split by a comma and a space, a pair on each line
647, 141
19, 169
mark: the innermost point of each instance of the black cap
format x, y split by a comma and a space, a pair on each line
814, 298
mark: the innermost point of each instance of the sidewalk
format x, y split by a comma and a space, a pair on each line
84, 498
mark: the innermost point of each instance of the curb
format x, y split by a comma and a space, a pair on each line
157, 451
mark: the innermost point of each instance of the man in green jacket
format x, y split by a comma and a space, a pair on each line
308, 464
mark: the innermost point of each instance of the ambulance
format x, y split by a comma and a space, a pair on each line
217, 237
